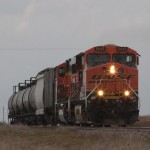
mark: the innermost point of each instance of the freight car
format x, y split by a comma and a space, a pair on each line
98, 86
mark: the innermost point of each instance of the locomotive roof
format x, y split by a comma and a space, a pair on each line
112, 49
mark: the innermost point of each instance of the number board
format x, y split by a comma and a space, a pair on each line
122, 48
100, 48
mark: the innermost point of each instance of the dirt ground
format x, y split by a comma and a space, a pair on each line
70, 138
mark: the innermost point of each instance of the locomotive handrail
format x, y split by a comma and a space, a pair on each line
107, 79
131, 89
69, 101
133, 92
92, 92
93, 89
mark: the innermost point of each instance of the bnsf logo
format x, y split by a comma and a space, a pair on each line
98, 77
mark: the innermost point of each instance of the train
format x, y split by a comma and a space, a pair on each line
96, 87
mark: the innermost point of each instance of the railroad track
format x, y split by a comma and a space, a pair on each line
139, 129
112, 128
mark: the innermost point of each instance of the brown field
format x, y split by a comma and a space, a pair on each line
71, 138
144, 121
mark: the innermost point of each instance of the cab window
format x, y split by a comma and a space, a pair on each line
125, 59
97, 59
61, 71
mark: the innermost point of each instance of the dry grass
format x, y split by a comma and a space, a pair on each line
144, 121
70, 138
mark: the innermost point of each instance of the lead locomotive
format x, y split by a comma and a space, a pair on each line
98, 86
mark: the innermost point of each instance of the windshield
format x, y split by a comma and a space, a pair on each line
97, 59
126, 59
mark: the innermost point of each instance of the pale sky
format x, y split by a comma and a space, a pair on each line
36, 34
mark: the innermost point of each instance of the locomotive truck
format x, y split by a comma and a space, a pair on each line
98, 86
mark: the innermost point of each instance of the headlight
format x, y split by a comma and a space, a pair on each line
112, 70
126, 93
100, 93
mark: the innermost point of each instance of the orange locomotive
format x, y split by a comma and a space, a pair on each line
98, 86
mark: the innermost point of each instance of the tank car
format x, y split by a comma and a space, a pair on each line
32, 102
98, 86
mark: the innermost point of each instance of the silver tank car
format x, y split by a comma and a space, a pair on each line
33, 102
39, 89
25, 99
19, 100
10, 104
32, 99
14, 103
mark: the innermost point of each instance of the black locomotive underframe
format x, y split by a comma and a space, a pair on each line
113, 112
